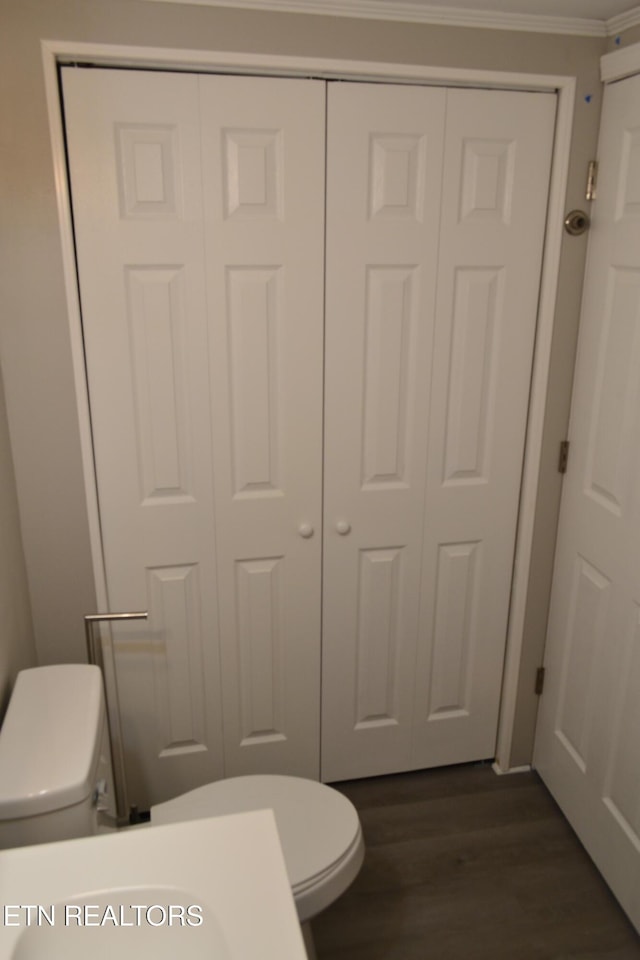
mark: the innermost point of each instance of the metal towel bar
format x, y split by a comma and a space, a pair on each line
95, 657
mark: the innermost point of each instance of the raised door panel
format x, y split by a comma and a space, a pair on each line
263, 176
137, 202
458, 568
383, 196
587, 736
497, 161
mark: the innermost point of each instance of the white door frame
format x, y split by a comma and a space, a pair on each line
55, 52
620, 63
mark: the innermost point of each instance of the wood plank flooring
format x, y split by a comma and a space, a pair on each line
462, 864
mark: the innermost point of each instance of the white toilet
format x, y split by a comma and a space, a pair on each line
56, 783
55, 759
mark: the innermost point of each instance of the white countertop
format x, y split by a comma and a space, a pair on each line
214, 888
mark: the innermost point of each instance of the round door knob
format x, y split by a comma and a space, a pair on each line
305, 530
343, 527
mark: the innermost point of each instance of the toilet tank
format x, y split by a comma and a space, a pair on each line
56, 780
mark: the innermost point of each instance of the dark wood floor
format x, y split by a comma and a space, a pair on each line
464, 865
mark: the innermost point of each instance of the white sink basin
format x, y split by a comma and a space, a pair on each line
161, 942
214, 889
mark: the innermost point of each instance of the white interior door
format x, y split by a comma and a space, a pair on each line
588, 737
436, 210
199, 215
198, 212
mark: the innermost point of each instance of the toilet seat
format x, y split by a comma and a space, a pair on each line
319, 829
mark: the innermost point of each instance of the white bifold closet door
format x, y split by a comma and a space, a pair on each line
199, 210
436, 206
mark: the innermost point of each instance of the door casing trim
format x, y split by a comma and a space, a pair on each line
57, 52
620, 64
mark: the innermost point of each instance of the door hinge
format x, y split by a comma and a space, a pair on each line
563, 459
592, 180
539, 687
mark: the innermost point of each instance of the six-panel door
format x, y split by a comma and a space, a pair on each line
588, 738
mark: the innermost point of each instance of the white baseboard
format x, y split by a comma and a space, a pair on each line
526, 768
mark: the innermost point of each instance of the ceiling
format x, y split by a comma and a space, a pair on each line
582, 17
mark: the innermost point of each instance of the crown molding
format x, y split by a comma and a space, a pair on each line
411, 11
623, 22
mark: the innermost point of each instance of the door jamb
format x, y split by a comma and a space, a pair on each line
55, 52
620, 63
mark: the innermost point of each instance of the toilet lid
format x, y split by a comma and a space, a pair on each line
318, 826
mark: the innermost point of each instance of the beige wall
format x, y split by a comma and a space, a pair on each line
34, 333
17, 649
624, 39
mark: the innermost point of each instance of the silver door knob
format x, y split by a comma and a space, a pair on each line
343, 527
305, 530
